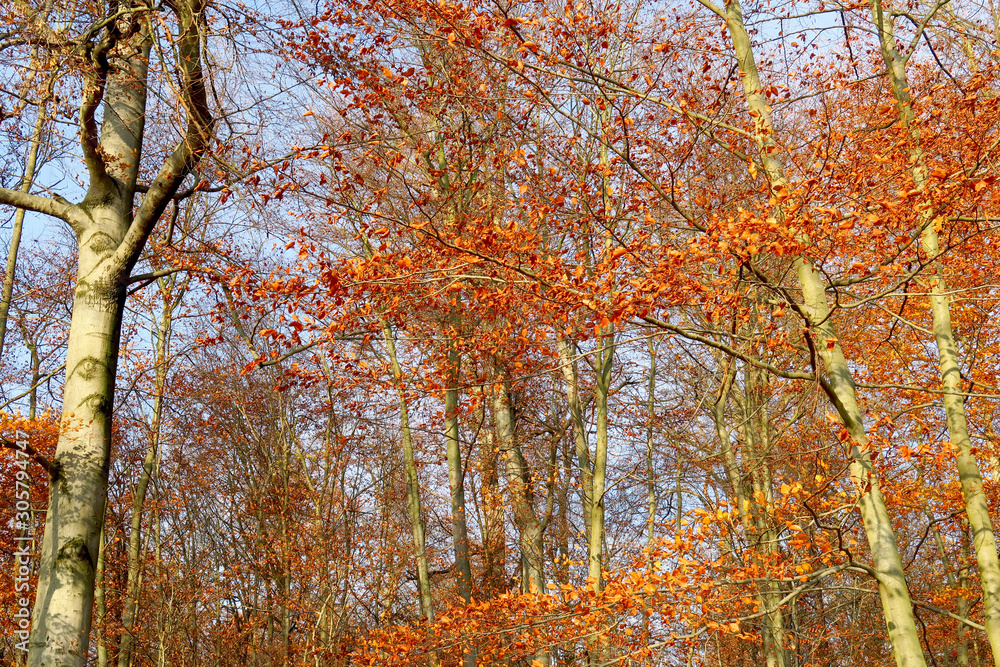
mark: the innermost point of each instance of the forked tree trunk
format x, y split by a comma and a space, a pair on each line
111, 232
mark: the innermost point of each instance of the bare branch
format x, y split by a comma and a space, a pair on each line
51, 468
57, 207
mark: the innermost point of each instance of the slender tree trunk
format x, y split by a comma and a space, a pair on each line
757, 443
751, 514
162, 362
519, 485
411, 480
650, 479
99, 602
962, 605
893, 592
26, 534
561, 565
839, 383
650, 471
15, 236
569, 367
595, 551
456, 480
284, 579
976, 507
27, 179
494, 532
603, 369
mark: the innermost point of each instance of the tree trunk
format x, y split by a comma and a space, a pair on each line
595, 551
839, 383
111, 231
976, 507
15, 235
456, 480
757, 444
62, 615
521, 494
162, 362
750, 512
650, 471
569, 367
102, 645
530, 525
411, 480
494, 531
962, 606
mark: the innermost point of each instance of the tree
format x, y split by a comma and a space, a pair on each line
108, 57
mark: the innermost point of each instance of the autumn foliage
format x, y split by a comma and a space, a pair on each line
498, 340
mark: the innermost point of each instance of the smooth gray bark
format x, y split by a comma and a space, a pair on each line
111, 233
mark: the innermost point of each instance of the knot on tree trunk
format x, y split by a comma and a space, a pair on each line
75, 555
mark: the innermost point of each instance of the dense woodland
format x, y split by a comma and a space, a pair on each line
519, 332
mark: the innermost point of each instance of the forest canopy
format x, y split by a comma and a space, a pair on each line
500, 333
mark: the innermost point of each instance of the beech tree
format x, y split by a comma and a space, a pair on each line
109, 55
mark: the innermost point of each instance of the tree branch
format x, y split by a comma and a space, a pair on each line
54, 206
733, 352
189, 151
51, 468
